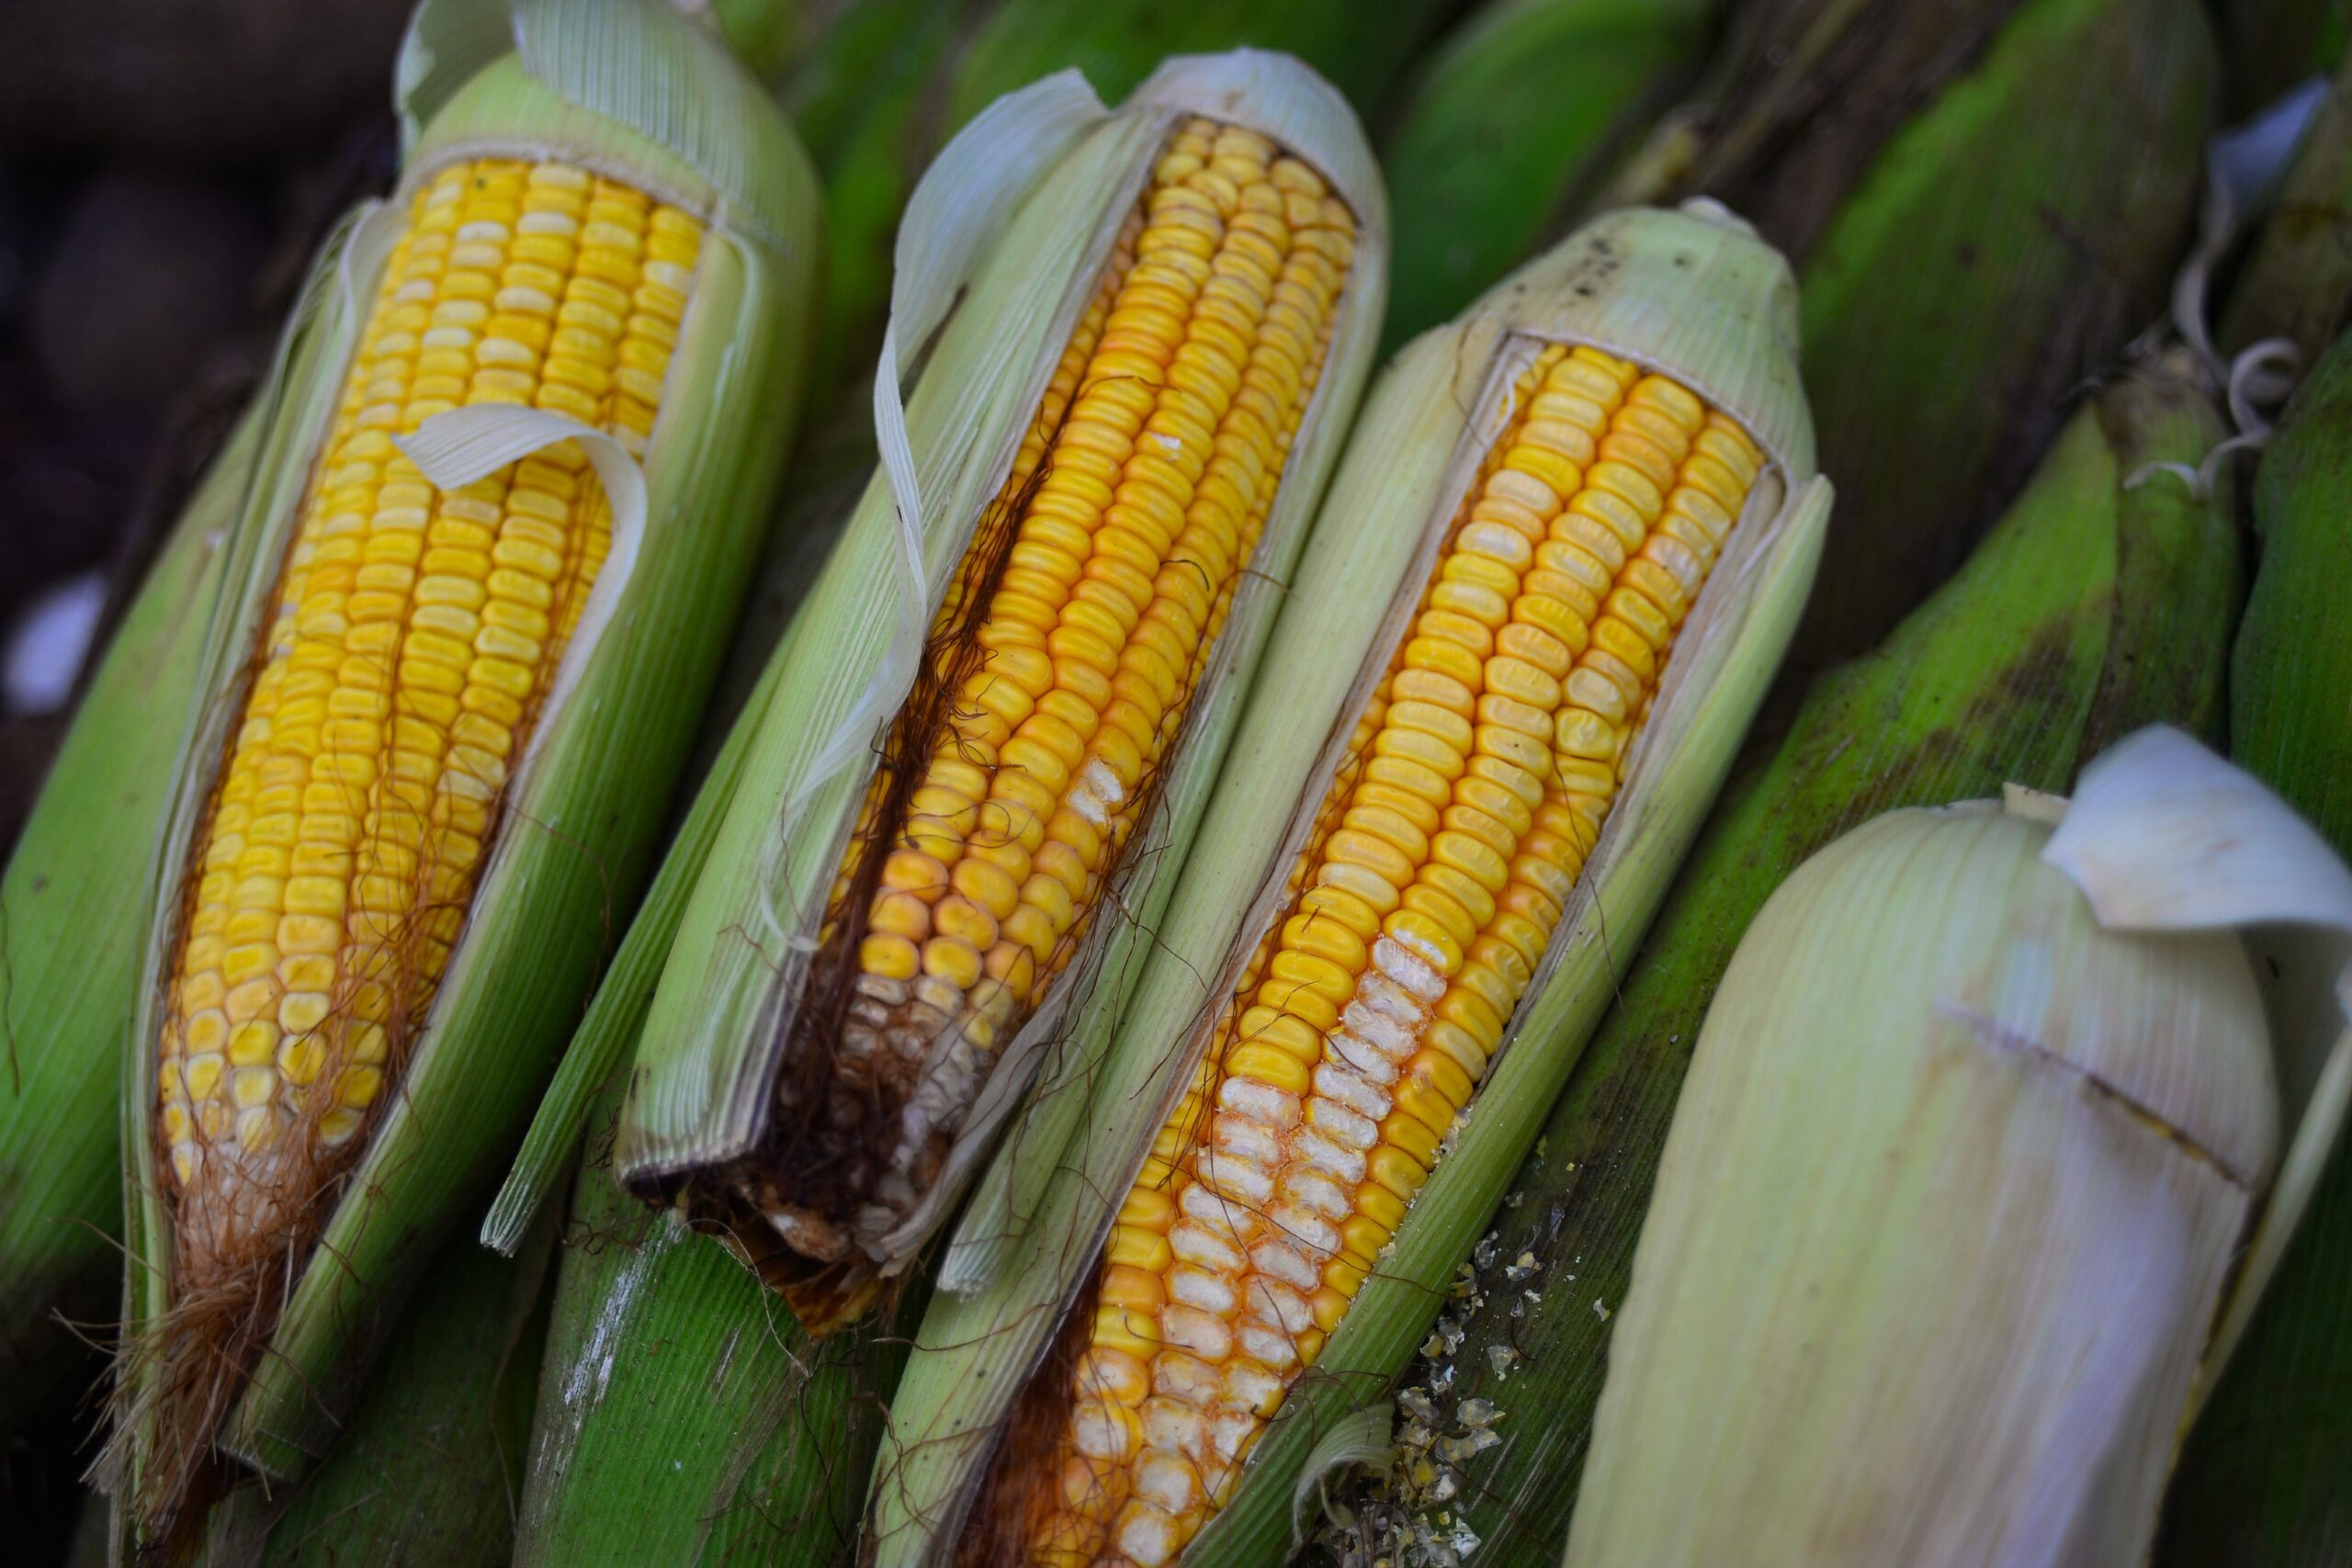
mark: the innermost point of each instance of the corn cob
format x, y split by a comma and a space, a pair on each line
1166, 440
2093, 608
2255, 1484
1484, 651
412, 667
71, 925
1991, 1110
1511, 131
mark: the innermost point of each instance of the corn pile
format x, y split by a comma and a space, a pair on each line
1173, 1025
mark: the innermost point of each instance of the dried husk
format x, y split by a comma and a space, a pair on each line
1692, 294
1001, 246
1979, 1120
634, 90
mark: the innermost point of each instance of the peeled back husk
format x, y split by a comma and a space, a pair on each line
1980, 1121
1691, 295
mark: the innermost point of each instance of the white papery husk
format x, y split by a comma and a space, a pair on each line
1001, 250
1692, 294
1952, 1222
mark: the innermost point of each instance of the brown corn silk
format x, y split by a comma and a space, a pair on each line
413, 637
1474, 783
1059, 675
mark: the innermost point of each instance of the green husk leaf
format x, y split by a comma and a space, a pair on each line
593, 1061
2093, 608
1712, 294
1970, 283
682, 1417
72, 939
429, 1467
2260, 1480
868, 100
582, 825
1512, 129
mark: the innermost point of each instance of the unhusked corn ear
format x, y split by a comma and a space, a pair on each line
415, 634
1423, 903
1061, 668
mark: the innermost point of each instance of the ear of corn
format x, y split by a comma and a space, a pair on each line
1706, 312
2096, 606
71, 933
2292, 661
399, 830
2054, 1081
810, 1068
1964, 218
1513, 130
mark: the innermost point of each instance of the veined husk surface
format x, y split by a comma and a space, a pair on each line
1947, 1235
1692, 294
635, 91
71, 941
999, 252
